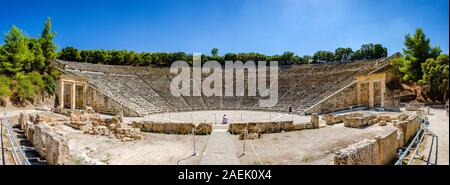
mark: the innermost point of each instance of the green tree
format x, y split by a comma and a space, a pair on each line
50, 84
308, 59
370, 51
101, 56
289, 57
69, 54
435, 77
215, 52
147, 59
48, 47
36, 80
15, 51
37, 62
85, 56
323, 56
25, 89
417, 50
230, 57
343, 54
5, 86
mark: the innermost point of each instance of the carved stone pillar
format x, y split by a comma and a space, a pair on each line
371, 94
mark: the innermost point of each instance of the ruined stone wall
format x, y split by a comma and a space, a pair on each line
382, 149
341, 100
364, 94
104, 104
408, 127
173, 128
91, 123
51, 145
56, 148
377, 94
387, 147
361, 153
356, 120
267, 127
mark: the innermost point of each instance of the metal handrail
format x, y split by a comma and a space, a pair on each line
417, 140
17, 150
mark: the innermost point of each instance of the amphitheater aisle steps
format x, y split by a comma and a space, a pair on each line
195, 102
161, 84
220, 149
130, 86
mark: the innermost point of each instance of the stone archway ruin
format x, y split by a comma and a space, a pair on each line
371, 90
71, 92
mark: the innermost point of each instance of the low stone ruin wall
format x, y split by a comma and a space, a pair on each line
50, 144
173, 128
91, 123
273, 127
333, 119
357, 120
267, 127
413, 106
380, 150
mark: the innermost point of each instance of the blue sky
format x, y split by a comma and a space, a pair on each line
264, 26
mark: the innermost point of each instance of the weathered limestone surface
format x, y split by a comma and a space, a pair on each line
29, 131
56, 148
380, 150
49, 144
146, 90
249, 136
91, 123
267, 127
315, 120
173, 128
339, 101
357, 120
360, 153
203, 129
39, 139
331, 119
413, 106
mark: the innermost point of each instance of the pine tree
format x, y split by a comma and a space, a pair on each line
47, 45
15, 51
417, 50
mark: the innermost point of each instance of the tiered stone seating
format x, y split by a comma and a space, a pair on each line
195, 102
121, 93
213, 102
139, 86
159, 82
146, 90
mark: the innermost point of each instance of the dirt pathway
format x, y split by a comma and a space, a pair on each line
220, 148
439, 125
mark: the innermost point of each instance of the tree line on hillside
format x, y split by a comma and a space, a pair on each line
25, 64
423, 65
124, 57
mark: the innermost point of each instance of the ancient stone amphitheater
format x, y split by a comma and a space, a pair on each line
141, 91
145, 110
